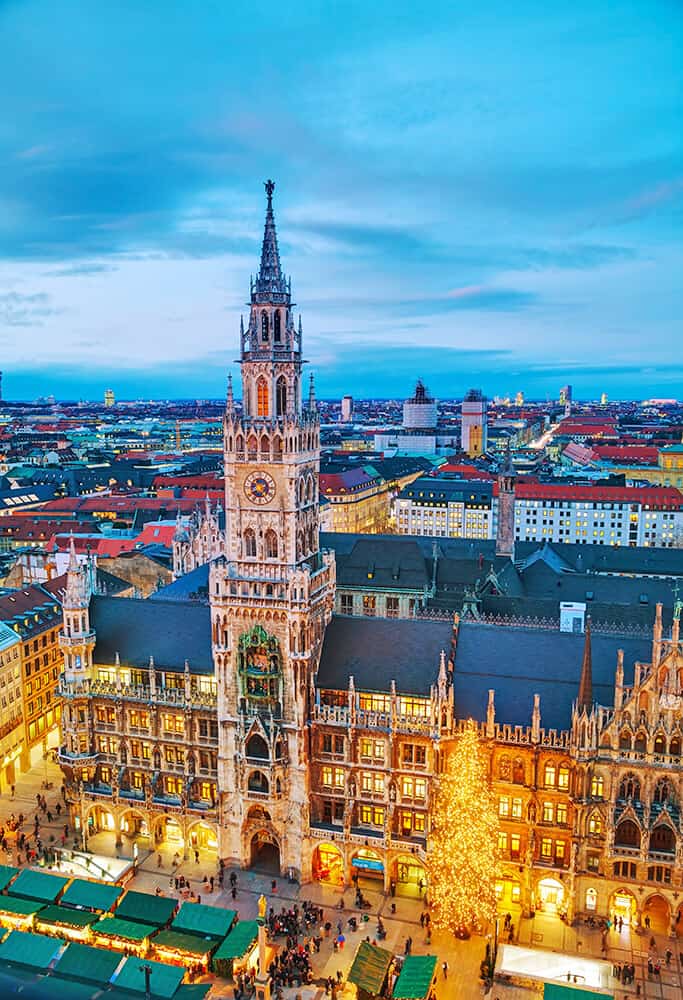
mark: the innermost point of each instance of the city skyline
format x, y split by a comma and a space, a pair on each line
440, 187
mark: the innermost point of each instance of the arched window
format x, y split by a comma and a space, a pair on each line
258, 782
663, 791
660, 743
276, 326
625, 742
591, 899
504, 769
641, 743
262, 407
250, 543
518, 771
597, 786
630, 788
281, 392
595, 824
264, 326
257, 747
627, 834
271, 544
663, 838
252, 447
675, 747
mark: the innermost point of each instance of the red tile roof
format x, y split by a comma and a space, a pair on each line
636, 455
655, 496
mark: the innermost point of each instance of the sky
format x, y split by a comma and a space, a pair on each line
477, 193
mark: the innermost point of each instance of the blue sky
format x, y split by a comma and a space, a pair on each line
489, 194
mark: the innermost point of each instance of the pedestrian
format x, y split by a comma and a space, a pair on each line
392, 888
58, 808
196, 857
12, 793
444, 969
233, 892
158, 861
422, 919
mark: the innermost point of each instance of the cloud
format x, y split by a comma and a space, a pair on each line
79, 270
25, 310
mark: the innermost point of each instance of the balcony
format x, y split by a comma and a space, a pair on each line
74, 641
624, 851
139, 693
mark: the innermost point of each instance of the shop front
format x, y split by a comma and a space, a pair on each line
550, 896
328, 864
410, 877
623, 906
367, 868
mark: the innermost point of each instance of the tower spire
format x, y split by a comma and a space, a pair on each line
586, 683
311, 395
229, 400
270, 278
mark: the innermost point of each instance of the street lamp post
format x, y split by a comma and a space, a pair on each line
147, 969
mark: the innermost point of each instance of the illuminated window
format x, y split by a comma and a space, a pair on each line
262, 408
595, 824
549, 776
546, 847
591, 899
563, 777
514, 845
504, 806
597, 786
327, 776
561, 813
517, 808
547, 812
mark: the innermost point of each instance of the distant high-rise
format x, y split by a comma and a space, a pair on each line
473, 437
603, 399
565, 395
420, 411
109, 398
519, 399
347, 409
0, 385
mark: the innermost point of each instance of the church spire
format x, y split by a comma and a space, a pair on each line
586, 683
270, 280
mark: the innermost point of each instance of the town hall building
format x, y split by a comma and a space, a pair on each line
261, 727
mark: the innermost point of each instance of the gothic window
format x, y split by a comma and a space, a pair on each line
252, 447
660, 744
265, 446
595, 824
264, 326
239, 444
271, 544
504, 769
597, 786
518, 771
630, 788
625, 740
641, 743
675, 747
662, 791
258, 782
257, 747
250, 543
663, 839
627, 834
276, 326
281, 390
277, 448
262, 398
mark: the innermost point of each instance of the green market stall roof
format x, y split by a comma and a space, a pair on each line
64, 915
239, 940
34, 951
555, 991
127, 930
190, 944
88, 964
415, 978
37, 885
91, 895
7, 873
146, 908
192, 991
164, 980
19, 907
207, 921
370, 968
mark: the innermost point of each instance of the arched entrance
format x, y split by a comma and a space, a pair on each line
168, 833
623, 906
657, 915
550, 895
202, 837
410, 876
367, 869
134, 824
265, 853
328, 864
679, 921
99, 820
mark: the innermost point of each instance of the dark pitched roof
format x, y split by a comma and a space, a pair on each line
186, 587
518, 662
378, 650
170, 632
383, 563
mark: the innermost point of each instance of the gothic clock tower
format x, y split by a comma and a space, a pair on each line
272, 590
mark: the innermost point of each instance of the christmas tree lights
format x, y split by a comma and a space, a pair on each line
464, 840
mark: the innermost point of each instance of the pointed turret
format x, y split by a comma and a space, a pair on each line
311, 395
270, 278
585, 699
229, 398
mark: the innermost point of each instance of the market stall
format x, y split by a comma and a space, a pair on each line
239, 951
40, 886
146, 908
65, 922
18, 914
183, 949
370, 970
417, 978
32, 951
164, 979
87, 895
86, 964
114, 932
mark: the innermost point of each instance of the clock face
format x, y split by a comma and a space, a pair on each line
259, 487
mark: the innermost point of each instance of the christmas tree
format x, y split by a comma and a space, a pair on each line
464, 840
